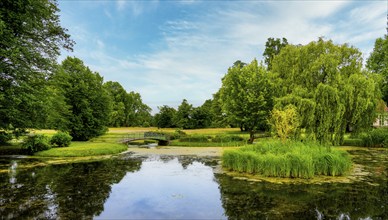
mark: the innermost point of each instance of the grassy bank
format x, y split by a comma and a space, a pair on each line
82, 149
290, 159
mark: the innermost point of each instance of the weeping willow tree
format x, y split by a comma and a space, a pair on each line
328, 87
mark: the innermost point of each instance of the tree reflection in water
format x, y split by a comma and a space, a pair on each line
362, 199
68, 191
169, 187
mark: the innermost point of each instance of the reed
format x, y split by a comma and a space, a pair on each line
289, 159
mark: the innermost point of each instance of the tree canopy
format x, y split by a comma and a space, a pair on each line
247, 96
30, 41
327, 85
272, 48
378, 63
87, 100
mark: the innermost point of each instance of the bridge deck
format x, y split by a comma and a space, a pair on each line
146, 136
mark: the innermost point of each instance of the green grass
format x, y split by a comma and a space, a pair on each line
82, 149
207, 144
290, 159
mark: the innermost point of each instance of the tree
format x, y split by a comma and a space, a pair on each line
86, 98
285, 122
118, 96
183, 117
30, 41
137, 113
378, 63
326, 84
165, 117
246, 97
219, 119
272, 48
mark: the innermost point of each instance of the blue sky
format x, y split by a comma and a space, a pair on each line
173, 50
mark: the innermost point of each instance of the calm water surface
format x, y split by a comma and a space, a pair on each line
183, 188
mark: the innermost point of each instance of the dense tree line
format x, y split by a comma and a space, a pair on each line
321, 87
36, 92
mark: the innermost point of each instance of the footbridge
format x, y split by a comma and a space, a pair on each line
162, 139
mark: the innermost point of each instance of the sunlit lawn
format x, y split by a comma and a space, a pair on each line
81, 149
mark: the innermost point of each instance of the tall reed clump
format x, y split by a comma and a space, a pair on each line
289, 159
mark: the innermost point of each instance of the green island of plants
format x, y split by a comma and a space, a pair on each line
289, 159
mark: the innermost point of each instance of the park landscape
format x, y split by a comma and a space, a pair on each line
291, 136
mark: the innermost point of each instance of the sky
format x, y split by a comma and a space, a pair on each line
173, 50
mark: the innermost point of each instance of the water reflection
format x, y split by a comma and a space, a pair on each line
182, 187
69, 191
366, 199
164, 188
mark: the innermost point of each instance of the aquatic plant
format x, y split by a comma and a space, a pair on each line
289, 159
375, 138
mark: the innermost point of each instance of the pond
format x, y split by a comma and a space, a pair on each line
184, 187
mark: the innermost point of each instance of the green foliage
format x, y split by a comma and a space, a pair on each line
88, 102
165, 117
353, 142
378, 63
60, 139
285, 122
375, 138
326, 84
35, 143
138, 113
128, 109
195, 138
222, 138
30, 41
5, 137
183, 116
272, 48
289, 159
246, 96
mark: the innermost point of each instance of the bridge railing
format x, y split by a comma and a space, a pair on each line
147, 135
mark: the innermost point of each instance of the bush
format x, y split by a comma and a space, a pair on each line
177, 134
227, 138
195, 138
375, 138
353, 142
5, 137
61, 139
36, 143
290, 159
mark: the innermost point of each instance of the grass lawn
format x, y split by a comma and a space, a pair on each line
207, 144
109, 143
82, 149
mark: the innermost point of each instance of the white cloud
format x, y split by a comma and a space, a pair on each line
196, 54
121, 4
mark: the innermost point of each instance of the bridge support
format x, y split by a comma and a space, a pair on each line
163, 143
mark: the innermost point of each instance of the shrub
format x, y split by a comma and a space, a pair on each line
5, 137
35, 143
177, 134
61, 139
353, 142
375, 138
195, 138
289, 159
227, 138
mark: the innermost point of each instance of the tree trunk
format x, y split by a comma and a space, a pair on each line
251, 136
